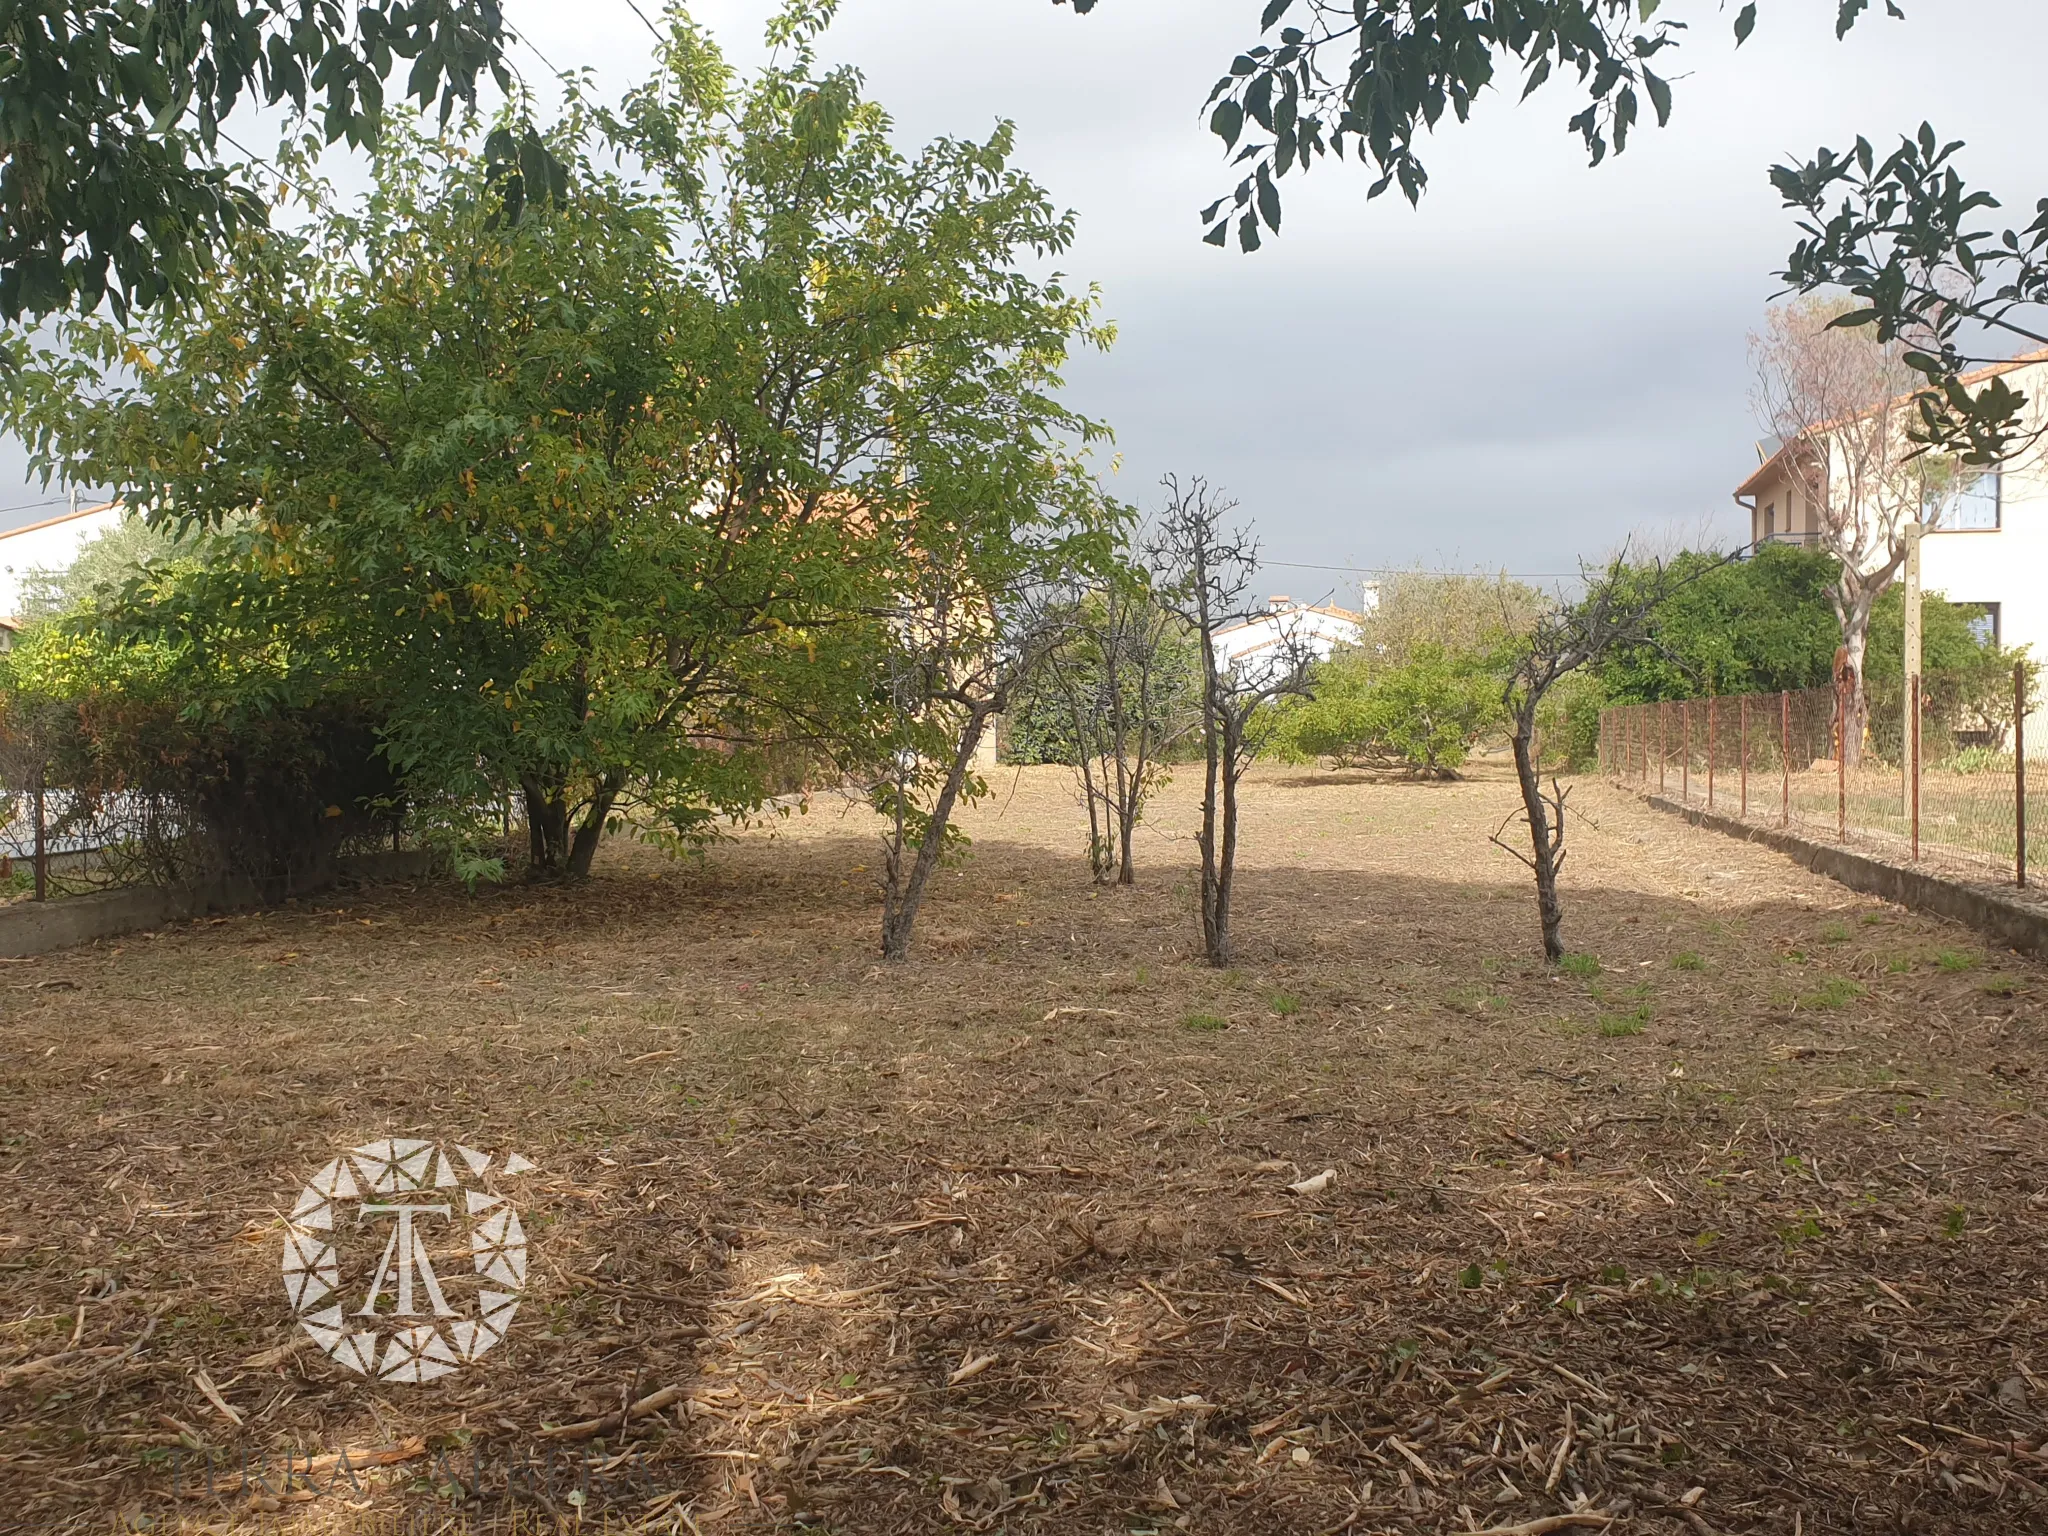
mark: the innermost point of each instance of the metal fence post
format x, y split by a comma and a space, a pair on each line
42, 843
2019, 772
1685, 762
1785, 755
1914, 704
1742, 750
1711, 701
1663, 747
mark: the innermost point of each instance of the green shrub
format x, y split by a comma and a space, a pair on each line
259, 767
1579, 965
1424, 713
1978, 760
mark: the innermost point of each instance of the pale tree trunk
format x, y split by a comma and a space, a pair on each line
1853, 602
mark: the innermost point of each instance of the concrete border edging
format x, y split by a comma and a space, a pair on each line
37, 927
2012, 923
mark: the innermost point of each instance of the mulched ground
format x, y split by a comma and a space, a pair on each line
1742, 1232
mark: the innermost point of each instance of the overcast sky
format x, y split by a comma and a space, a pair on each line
1541, 360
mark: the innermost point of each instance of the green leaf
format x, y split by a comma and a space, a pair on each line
1275, 9
1227, 121
1660, 96
1745, 23
1269, 201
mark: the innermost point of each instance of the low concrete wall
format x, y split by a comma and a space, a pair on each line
2012, 921
36, 927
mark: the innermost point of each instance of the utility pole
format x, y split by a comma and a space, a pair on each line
1909, 695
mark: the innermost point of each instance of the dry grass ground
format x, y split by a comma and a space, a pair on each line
1742, 1232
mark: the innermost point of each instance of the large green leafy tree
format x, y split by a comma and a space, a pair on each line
1727, 627
111, 112
1768, 623
1903, 232
614, 493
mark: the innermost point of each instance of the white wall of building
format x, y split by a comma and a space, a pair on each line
51, 545
1260, 647
2007, 565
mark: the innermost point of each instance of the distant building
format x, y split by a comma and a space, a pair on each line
1986, 545
1258, 647
51, 545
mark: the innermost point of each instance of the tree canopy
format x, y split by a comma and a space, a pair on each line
111, 182
1768, 623
607, 499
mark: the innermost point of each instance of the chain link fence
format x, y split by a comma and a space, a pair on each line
1936, 792
62, 837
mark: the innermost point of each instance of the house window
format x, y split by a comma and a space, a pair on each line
1974, 507
1984, 623
1771, 520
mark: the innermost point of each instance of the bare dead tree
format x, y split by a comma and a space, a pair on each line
1124, 674
1202, 572
1842, 405
1617, 609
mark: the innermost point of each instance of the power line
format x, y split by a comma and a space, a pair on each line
650, 26
30, 506
1411, 570
552, 68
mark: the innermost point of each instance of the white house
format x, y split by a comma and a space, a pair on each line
50, 545
1259, 647
1986, 546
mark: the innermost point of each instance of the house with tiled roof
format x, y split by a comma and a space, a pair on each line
1264, 643
1986, 541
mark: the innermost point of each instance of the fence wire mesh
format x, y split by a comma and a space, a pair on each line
1775, 759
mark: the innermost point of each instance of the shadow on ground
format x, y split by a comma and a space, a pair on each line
1739, 1230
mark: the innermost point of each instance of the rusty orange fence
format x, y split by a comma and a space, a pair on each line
1956, 800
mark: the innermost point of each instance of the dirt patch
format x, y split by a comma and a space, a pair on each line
1740, 1231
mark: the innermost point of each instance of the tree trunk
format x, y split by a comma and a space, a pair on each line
1212, 936
1217, 930
547, 827
1548, 909
583, 850
1126, 824
1097, 796
1852, 607
899, 906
